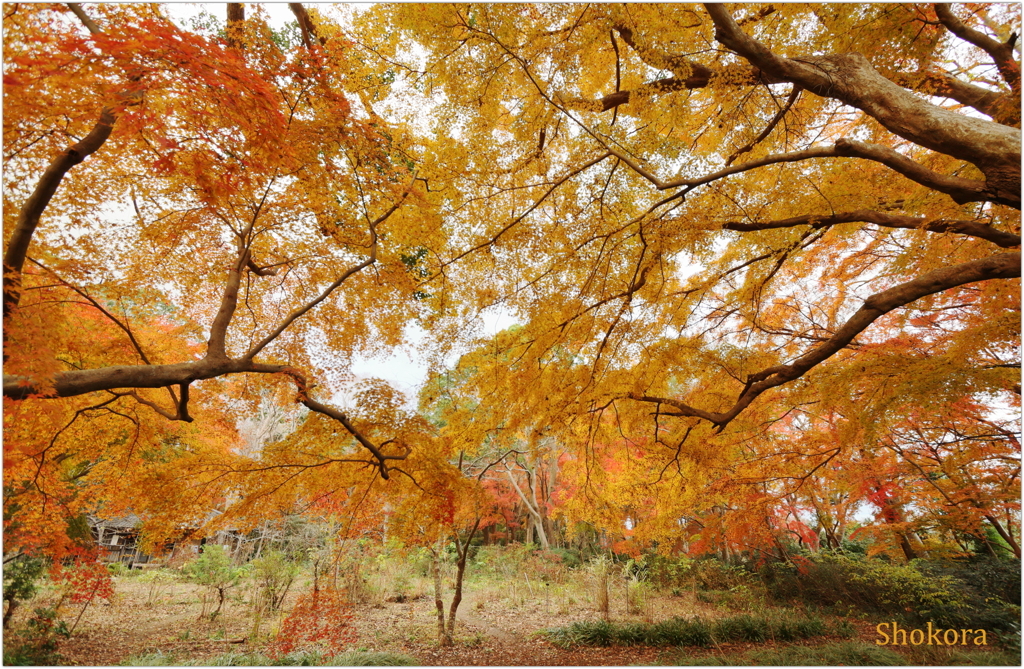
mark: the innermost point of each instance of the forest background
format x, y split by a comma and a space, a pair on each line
762, 263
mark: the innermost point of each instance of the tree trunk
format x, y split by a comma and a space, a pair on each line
463, 550
11, 605
1004, 534
443, 636
537, 522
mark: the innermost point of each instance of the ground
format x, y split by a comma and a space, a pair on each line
498, 624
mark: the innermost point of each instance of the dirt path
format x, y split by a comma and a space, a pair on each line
471, 619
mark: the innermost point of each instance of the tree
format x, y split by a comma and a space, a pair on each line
711, 220
214, 570
724, 231
223, 185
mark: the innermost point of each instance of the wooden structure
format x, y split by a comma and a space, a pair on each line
118, 540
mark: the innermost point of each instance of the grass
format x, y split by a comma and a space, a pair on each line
691, 632
309, 658
848, 653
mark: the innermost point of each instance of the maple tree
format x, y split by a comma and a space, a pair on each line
720, 226
226, 194
763, 258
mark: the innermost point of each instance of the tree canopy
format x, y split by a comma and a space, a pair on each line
765, 261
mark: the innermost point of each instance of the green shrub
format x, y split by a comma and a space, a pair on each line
274, 574
19, 582
118, 569
36, 644
975, 594
845, 629
686, 632
991, 592
714, 575
867, 584
214, 570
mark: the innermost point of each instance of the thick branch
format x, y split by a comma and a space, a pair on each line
32, 210
961, 190
81, 381
77, 10
305, 25
1000, 266
850, 78
970, 228
1002, 107
1000, 52
215, 347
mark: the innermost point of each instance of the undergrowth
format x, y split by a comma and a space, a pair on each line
691, 632
307, 658
847, 653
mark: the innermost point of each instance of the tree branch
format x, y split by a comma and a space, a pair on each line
970, 228
999, 266
124, 328
77, 10
32, 210
961, 190
768, 130
1001, 53
215, 346
305, 25
330, 412
1002, 107
993, 148
299, 312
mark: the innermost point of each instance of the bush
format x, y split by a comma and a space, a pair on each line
991, 592
36, 644
20, 576
714, 575
213, 569
976, 593
118, 569
869, 585
274, 574
687, 632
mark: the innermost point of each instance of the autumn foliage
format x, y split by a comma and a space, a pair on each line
762, 260
320, 618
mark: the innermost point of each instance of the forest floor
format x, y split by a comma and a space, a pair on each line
493, 628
